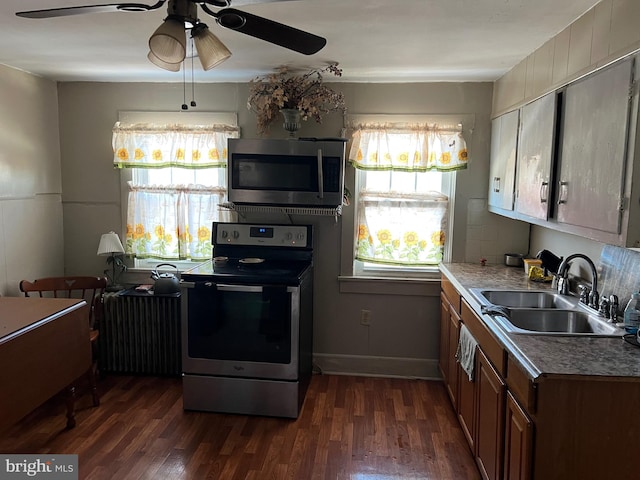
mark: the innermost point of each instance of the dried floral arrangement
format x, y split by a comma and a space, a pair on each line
271, 93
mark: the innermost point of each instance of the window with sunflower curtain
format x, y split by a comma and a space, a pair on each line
178, 183
401, 213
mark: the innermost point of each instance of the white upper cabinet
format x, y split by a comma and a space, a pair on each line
535, 157
504, 140
576, 150
593, 151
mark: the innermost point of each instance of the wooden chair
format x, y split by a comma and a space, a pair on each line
91, 289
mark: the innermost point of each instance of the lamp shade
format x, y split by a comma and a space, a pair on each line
169, 42
211, 50
110, 244
172, 67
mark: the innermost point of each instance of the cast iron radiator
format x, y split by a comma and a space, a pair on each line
140, 334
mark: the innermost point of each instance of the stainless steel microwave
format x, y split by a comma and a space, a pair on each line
293, 172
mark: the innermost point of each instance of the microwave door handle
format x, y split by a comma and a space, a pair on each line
320, 176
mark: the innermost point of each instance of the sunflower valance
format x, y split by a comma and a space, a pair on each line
156, 146
417, 147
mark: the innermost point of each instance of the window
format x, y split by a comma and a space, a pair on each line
177, 184
403, 182
401, 219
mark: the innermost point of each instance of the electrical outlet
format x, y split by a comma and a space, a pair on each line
365, 317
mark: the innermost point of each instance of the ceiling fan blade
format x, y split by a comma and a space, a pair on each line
239, 3
268, 30
112, 7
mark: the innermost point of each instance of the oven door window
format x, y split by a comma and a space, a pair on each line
240, 323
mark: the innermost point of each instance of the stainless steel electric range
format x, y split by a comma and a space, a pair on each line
247, 321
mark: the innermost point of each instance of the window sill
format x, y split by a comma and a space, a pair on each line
429, 285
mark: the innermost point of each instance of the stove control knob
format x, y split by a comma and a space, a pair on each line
289, 236
224, 234
236, 234
301, 236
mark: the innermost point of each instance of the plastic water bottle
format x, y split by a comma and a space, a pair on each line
632, 314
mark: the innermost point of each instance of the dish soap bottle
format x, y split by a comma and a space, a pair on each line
632, 314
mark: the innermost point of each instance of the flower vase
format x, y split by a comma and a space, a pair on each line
291, 120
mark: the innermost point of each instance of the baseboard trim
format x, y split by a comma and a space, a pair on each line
374, 366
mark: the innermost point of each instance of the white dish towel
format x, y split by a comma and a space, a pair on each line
466, 352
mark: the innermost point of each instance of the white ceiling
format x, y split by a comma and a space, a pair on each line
372, 40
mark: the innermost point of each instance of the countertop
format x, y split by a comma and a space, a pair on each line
544, 355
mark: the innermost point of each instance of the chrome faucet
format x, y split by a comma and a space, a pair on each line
563, 279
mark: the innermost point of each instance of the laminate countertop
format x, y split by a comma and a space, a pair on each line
545, 355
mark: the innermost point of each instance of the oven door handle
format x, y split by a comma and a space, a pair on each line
238, 288
230, 288
320, 176
246, 288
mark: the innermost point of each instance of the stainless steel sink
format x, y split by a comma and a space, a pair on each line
524, 298
542, 312
557, 322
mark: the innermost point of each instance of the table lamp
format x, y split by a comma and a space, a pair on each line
110, 246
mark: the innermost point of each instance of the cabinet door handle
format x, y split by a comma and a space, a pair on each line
496, 184
544, 192
563, 192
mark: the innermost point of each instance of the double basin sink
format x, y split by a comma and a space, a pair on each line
543, 312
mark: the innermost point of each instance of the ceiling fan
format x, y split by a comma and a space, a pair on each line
168, 46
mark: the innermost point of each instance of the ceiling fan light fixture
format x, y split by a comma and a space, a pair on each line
211, 51
172, 67
169, 42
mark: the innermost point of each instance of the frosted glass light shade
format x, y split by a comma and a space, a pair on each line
109, 244
172, 67
169, 42
211, 51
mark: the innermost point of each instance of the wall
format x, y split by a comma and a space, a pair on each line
31, 233
605, 33
403, 336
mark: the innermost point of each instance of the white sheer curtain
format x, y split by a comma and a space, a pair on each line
173, 221
403, 221
401, 230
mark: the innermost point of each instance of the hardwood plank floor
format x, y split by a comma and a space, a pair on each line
356, 428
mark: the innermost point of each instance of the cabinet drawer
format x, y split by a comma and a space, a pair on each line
520, 385
451, 293
489, 345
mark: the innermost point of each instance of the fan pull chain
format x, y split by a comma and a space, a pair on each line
193, 88
184, 89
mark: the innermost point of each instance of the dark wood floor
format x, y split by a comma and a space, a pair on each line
355, 428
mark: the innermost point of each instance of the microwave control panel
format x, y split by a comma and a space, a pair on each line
265, 235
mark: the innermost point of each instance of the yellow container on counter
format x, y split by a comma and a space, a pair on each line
531, 262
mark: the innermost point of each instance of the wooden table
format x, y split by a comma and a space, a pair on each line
44, 348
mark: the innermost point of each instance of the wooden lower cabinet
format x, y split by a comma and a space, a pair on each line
481, 413
490, 392
449, 332
518, 442
454, 368
467, 407
481, 402
553, 427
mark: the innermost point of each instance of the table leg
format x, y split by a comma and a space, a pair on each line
71, 400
